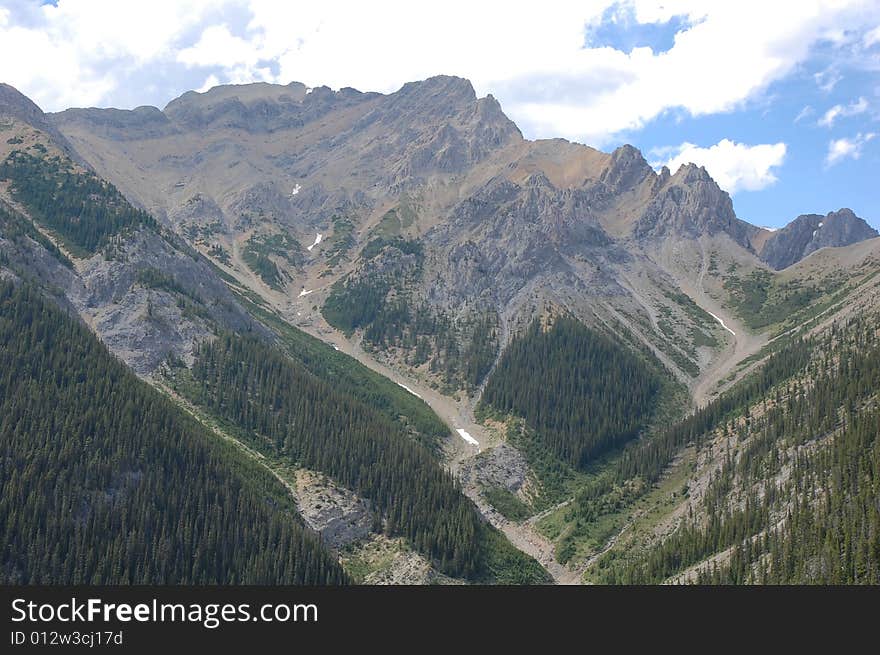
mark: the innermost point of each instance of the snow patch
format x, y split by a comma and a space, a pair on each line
296, 190
721, 322
815, 232
467, 437
318, 239
821, 223
305, 293
770, 229
403, 386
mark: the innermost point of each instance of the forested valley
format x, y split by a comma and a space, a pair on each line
288, 411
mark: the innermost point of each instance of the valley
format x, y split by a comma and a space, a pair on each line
456, 355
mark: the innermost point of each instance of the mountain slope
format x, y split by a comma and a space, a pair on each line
156, 303
106, 482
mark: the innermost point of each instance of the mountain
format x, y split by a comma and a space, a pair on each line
250, 175
581, 341
70, 240
810, 232
107, 482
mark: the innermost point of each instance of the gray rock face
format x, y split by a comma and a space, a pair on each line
147, 294
628, 169
503, 466
690, 203
123, 124
140, 321
809, 232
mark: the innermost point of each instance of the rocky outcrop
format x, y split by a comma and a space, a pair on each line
809, 232
689, 204
627, 170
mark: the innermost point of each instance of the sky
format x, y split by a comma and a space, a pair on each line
779, 100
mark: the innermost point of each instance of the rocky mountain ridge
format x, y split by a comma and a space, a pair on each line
251, 174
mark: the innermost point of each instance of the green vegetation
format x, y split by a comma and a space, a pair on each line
84, 210
582, 393
762, 300
153, 278
507, 502
289, 412
349, 376
220, 253
259, 250
104, 481
506, 565
15, 227
827, 432
308, 421
338, 244
395, 220
356, 302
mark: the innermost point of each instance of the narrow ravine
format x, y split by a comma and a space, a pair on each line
459, 416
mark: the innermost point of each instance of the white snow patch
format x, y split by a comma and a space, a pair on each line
821, 223
770, 229
318, 239
296, 190
403, 386
815, 232
721, 322
467, 437
305, 293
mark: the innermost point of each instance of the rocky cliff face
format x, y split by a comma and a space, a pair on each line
146, 293
809, 232
691, 203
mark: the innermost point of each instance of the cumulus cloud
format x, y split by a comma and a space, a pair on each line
840, 149
860, 106
84, 52
735, 166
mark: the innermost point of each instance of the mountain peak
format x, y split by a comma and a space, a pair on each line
627, 169
449, 85
690, 173
810, 232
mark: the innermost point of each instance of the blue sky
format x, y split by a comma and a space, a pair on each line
779, 100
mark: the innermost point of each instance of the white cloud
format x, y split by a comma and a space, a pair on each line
806, 112
840, 149
86, 52
827, 79
734, 166
840, 111
872, 37
79, 52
